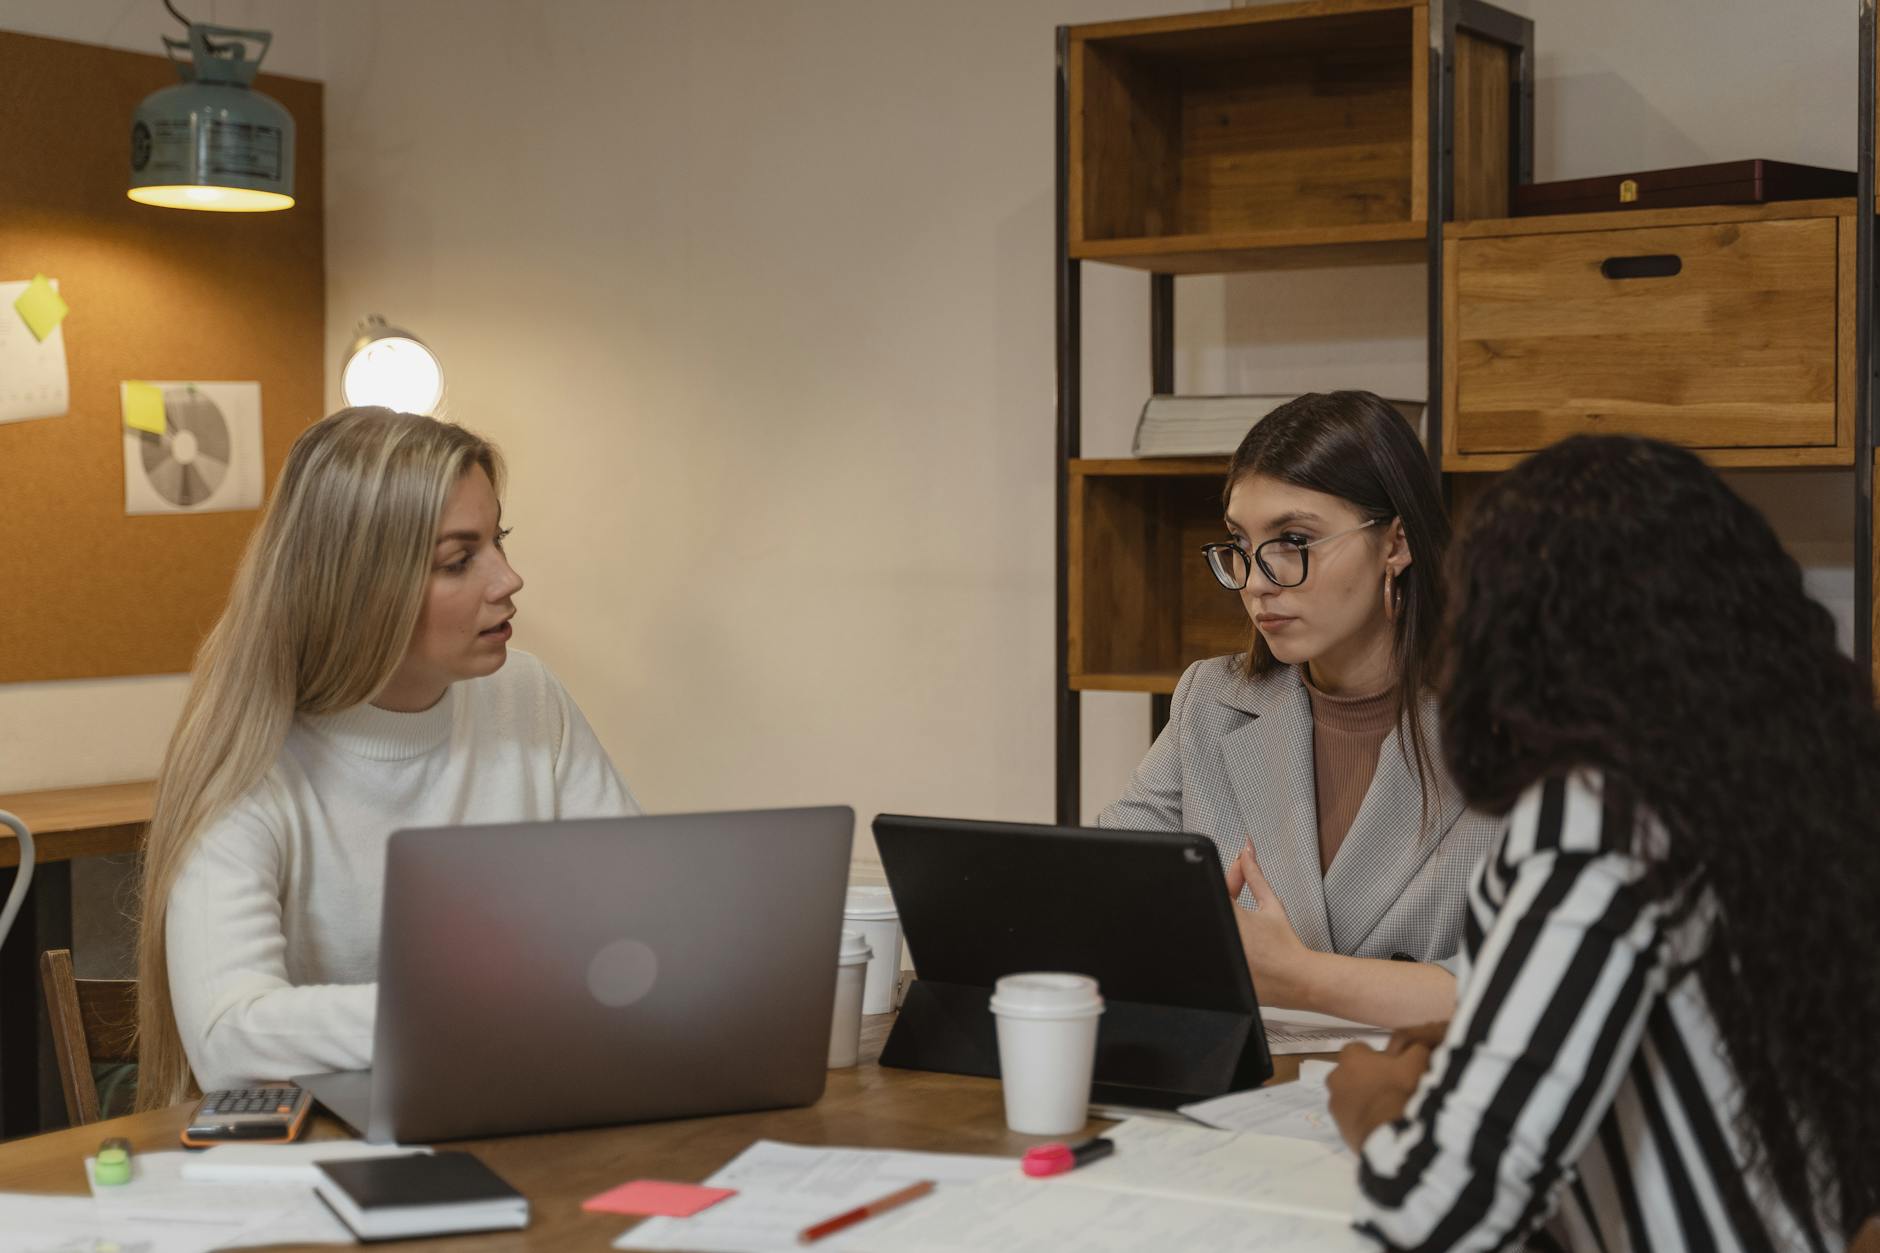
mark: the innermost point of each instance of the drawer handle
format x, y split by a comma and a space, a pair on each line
1657, 265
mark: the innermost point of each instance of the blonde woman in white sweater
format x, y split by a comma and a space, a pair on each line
359, 681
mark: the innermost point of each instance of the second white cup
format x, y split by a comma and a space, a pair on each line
845, 1028
1047, 1025
871, 911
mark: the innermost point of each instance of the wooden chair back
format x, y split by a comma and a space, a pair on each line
93, 1020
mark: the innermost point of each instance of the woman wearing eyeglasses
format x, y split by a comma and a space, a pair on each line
1311, 759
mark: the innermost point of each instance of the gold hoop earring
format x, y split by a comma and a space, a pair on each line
1390, 597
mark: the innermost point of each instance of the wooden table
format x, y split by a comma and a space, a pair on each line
66, 823
866, 1106
79, 821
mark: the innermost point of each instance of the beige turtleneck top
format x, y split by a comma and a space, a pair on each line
1347, 734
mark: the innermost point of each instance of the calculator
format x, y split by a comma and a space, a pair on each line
269, 1115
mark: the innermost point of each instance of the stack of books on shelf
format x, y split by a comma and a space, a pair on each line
1213, 426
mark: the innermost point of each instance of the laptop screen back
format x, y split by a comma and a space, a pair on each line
554, 975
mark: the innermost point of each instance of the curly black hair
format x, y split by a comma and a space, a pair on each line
1616, 606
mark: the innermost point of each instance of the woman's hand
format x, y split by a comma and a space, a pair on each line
1276, 957
1369, 1088
1428, 1034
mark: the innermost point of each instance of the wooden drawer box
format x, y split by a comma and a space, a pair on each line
1728, 330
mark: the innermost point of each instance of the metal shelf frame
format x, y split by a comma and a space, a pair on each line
1864, 360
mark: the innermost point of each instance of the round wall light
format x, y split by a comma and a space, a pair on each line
391, 367
212, 141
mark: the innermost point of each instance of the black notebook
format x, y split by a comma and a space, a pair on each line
424, 1194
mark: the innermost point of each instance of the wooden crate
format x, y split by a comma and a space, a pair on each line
1142, 602
1276, 136
1727, 330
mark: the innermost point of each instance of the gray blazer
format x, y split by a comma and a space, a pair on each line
1236, 760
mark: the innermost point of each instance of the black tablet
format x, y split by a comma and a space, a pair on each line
1144, 913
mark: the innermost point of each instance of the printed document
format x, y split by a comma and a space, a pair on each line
1295, 1109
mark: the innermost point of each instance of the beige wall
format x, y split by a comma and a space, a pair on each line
758, 299
757, 296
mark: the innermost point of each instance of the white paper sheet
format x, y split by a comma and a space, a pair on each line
209, 457
1302, 1031
281, 1163
73, 1224
241, 1214
1169, 1186
1237, 1169
783, 1188
1297, 1110
33, 379
1117, 1113
1013, 1214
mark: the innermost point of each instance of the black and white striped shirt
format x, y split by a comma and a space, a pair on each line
1581, 1099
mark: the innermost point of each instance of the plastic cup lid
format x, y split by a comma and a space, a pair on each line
1047, 993
870, 902
854, 949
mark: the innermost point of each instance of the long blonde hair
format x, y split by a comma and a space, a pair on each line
320, 616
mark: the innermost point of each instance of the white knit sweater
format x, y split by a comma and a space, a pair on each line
273, 926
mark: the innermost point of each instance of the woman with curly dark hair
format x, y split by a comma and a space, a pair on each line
1311, 758
1665, 1037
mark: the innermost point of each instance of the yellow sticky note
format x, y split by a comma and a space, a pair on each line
143, 407
41, 307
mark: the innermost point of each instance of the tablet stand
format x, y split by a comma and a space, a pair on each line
1159, 1056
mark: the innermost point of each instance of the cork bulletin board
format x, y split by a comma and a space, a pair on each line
155, 293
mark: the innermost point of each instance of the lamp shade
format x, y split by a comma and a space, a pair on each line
212, 141
391, 367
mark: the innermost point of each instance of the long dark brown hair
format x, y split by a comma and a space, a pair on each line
1619, 608
1355, 446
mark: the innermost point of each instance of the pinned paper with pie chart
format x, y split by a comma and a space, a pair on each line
202, 455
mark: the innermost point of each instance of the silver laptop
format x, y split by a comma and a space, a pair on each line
543, 976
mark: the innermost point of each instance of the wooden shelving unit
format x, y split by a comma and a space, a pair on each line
1333, 132
1283, 136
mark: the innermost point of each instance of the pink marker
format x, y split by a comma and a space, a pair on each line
1055, 1159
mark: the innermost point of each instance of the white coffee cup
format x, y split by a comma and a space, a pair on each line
1047, 1026
871, 911
845, 1030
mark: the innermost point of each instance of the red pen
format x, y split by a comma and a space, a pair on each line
894, 1200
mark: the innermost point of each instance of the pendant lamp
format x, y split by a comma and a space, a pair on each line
212, 141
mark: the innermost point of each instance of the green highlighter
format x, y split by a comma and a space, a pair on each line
113, 1166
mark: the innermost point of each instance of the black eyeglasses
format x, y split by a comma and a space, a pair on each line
1281, 560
